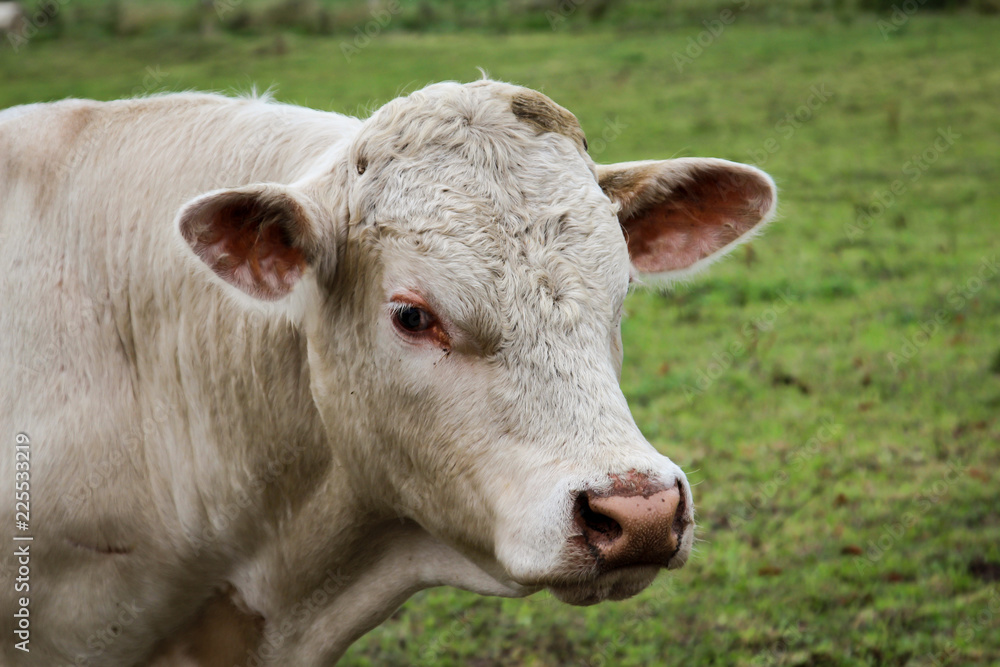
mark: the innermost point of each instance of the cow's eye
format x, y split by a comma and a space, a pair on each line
413, 319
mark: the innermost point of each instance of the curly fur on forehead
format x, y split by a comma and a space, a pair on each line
483, 121
458, 166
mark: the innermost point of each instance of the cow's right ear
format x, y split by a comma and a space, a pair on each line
680, 215
259, 238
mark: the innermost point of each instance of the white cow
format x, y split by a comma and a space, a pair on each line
278, 369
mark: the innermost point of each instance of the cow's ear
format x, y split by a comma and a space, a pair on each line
258, 238
678, 216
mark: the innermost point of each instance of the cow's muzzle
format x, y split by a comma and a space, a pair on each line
636, 522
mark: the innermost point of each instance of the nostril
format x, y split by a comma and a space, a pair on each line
597, 528
680, 514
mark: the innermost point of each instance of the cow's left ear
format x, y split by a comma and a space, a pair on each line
678, 216
259, 238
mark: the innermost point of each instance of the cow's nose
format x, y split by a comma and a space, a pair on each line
639, 529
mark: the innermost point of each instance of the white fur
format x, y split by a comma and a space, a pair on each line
11, 16
303, 446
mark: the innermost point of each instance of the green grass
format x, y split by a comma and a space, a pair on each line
846, 463
340, 17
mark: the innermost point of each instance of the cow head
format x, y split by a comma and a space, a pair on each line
459, 271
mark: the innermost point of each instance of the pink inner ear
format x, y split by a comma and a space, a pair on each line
698, 218
247, 245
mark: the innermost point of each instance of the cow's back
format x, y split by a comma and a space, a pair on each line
93, 289
89, 193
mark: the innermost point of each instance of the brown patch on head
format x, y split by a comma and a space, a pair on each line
536, 109
627, 186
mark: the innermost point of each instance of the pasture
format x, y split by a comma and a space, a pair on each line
833, 390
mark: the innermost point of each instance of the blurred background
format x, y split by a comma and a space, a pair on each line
833, 389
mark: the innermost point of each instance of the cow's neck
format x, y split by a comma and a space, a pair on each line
373, 578
274, 522
315, 549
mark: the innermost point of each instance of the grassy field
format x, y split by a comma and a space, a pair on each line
123, 18
833, 390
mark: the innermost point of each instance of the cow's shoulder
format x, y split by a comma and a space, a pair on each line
35, 136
